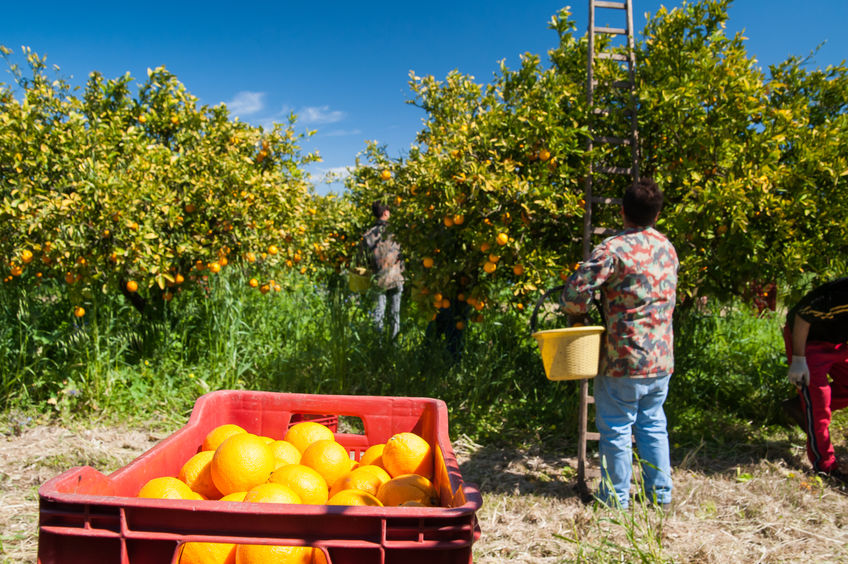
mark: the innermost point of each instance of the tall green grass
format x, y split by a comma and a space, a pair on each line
316, 337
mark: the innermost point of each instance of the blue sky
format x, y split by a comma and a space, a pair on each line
343, 67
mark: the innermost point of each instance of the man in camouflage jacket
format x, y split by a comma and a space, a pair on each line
635, 273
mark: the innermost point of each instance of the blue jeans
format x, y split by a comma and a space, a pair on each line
623, 405
393, 298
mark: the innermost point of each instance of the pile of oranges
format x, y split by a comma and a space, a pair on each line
307, 466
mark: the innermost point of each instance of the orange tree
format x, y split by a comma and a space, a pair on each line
146, 193
489, 199
752, 165
487, 203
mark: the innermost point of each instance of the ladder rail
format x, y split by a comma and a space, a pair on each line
590, 199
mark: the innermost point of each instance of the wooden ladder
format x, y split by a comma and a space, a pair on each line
613, 128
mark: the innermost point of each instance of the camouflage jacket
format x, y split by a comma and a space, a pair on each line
384, 256
635, 273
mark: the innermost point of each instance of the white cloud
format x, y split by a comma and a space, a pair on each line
245, 103
320, 114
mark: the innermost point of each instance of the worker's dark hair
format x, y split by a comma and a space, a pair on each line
642, 202
378, 209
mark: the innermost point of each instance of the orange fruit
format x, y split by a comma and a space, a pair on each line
197, 475
208, 553
329, 458
284, 453
271, 492
166, 487
318, 557
303, 434
354, 497
407, 453
219, 434
235, 496
518, 269
305, 481
132, 286
253, 283
489, 267
502, 239
265, 439
79, 311
373, 455
485, 247
273, 554
427, 262
273, 250
386, 174
214, 267
26, 256
363, 478
240, 463
408, 487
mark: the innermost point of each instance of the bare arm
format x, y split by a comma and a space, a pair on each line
800, 330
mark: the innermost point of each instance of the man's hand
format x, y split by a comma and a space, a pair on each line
799, 373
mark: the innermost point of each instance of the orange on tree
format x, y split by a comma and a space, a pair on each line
240, 463
26, 256
303, 480
197, 474
408, 453
304, 433
427, 262
329, 458
79, 311
502, 239
253, 283
132, 286
408, 487
386, 174
219, 434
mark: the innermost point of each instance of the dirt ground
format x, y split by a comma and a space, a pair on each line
733, 503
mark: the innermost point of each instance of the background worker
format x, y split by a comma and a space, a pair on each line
635, 272
816, 338
386, 262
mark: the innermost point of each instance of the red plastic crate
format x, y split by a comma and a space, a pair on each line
86, 516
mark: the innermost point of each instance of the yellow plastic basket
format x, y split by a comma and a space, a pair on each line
571, 353
359, 280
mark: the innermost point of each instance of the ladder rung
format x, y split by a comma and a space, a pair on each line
602, 200
590, 400
604, 231
611, 30
612, 56
615, 84
613, 5
612, 170
611, 140
593, 436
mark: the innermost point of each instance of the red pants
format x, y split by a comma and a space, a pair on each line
821, 397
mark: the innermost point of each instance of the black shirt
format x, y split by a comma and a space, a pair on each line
826, 309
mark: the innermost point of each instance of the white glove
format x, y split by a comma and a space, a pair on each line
799, 373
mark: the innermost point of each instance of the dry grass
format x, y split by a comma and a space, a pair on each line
738, 504
733, 503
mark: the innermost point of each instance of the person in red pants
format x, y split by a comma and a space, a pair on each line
816, 337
